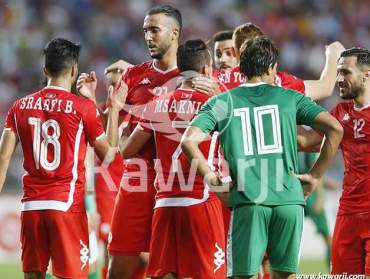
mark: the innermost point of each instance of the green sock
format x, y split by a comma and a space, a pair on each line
48, 276
93, 275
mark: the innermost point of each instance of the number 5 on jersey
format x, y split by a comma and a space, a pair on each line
40, 149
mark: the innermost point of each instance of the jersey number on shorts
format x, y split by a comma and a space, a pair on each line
50, 133
259, 113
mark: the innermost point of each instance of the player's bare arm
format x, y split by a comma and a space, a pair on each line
308, 140
118, 66
131, 145
333, 131
323, 87
135, 142
8, 144
190, 141
116, 101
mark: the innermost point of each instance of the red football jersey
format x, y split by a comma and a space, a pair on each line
231, 78
54, 127
167, 117
355, 147
144, 82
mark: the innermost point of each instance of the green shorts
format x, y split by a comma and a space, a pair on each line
319, 219
255, 229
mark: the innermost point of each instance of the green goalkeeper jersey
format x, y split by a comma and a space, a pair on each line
258, 135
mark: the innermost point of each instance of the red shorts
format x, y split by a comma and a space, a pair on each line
132, 221
188, 241
61, 236
350, 250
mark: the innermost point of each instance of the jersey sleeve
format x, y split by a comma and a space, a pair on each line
93, 126
291, 82
10, 120
307, 110
206, 118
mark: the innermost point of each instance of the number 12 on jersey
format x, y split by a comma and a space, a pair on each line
40, 149
259, 113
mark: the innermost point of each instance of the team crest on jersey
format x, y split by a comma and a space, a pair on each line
144, 81
219, 258
84, 252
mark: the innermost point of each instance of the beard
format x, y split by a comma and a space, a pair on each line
162, 50
354, 93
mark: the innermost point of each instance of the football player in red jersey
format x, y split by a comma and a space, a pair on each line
187, 221
132, 216
54, 127
351, 239
316, 89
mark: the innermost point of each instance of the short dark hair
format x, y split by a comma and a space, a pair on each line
60, 55
193, 55
168, 10
362, 54
223, 36
244, 32
257, 56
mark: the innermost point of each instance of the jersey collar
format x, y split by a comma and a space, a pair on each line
55, 88
360, 109
161, 71
252, 84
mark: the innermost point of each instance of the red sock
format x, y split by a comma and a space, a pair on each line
139, 273
104, 272
266, 276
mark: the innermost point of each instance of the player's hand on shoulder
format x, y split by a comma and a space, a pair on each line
206, 85
309, 183
86, 85
117, 95
334, 49
119, 66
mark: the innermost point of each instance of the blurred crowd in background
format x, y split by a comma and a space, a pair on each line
112, 29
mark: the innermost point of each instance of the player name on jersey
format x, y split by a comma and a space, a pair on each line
231, 76
181, 106
50, 105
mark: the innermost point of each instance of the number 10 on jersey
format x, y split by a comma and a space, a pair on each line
259, 113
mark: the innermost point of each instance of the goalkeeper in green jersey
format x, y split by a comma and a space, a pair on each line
257, 123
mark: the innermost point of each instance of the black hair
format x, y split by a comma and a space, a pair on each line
193, 55
168, 10
223, 36
362, 54
257, 56
60, 55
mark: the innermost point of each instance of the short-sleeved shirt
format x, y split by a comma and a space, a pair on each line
167, 117
258, 135
355, 147
54, 127
144, 82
